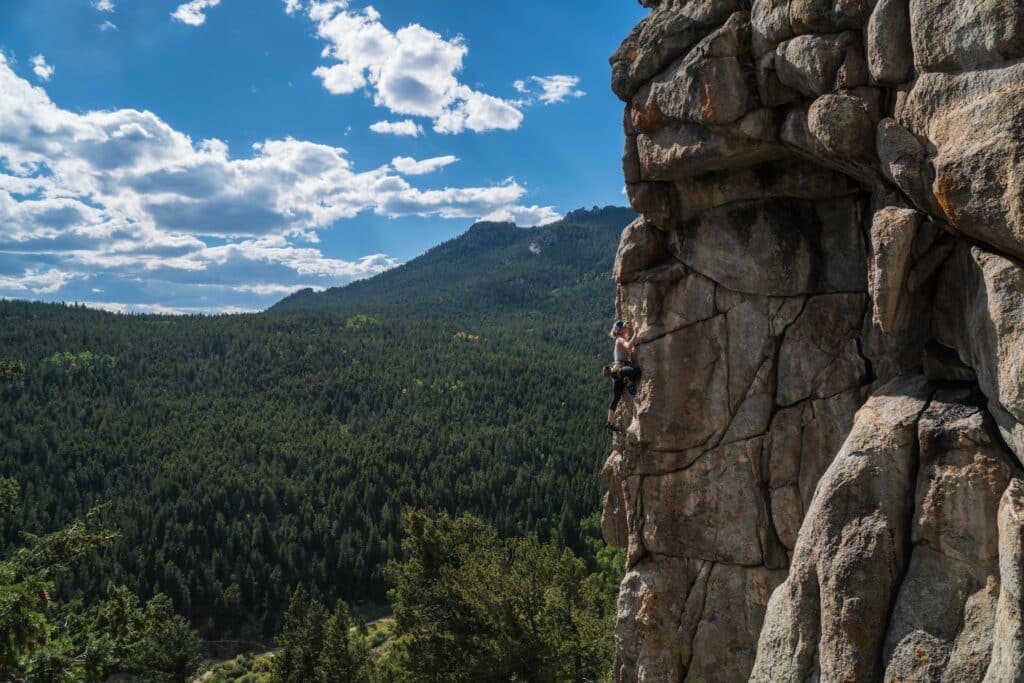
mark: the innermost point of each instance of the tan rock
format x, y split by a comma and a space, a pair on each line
712, 510
683, 400
952, 35
893, 230
640, 247
709, 86
819, 355
973, 122
890, 55
842, 125
809, 63
663, 36
725, 642
651, 641
1007, 662
978, 313
947, 600
831, 612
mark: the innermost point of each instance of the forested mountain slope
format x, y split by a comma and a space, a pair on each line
495, 272
244, 454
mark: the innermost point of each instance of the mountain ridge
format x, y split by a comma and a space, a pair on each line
488, 268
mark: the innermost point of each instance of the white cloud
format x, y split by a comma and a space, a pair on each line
119, 198
407, 127
41, 69
103, 5
551, 89
292, 6
108, 26
36, 281
194, 13
557, 88
160, 309
411, 72
524, 215
410, 166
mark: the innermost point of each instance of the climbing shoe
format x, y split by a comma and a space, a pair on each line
610, 427
631, 388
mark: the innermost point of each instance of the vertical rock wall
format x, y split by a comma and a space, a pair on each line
820, 476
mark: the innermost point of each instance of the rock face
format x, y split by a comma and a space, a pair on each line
820, 475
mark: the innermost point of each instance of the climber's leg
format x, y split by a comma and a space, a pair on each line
631, 375
617, 388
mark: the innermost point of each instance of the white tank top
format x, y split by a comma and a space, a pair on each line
620, 355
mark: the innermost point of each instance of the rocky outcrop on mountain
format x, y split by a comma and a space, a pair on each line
820, 477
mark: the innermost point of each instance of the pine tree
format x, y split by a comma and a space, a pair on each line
345, 656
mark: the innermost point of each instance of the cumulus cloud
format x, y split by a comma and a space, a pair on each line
194, 13
42, 70
410, 72
407, 127
292, 6
103, 5
410, 166
118, 199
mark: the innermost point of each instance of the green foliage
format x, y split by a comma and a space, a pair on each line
495, 272
12, 369
118, 635
359, 321
316, 648
26, 581
470, 606
244, 455
345, 655
245, 668
168, 648
41, 640
83, 361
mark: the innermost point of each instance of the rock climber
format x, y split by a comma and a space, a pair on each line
623, 372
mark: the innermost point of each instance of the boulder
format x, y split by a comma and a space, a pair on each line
809, 63
640, 247
842, 125
974, 122
710, 85
890, 54
893, 230
953, 35
662, 37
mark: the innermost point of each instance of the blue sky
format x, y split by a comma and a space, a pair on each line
212, 155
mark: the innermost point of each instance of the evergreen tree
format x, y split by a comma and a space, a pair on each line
301, 640
470, 606
168, 648
344, 656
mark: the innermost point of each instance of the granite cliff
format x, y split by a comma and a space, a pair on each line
820, 477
